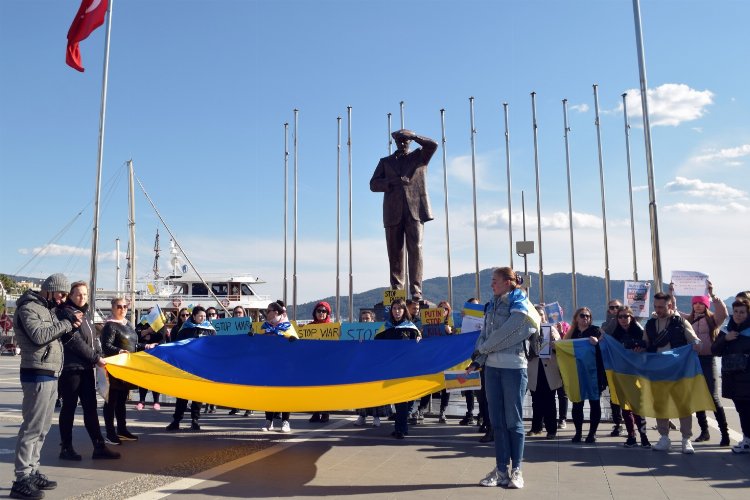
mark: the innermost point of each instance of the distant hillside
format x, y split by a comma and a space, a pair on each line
557, 288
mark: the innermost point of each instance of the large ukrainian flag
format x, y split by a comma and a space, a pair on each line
577, 362
270, 373
668, 384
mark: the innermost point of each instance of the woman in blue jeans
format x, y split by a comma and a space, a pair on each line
509, 320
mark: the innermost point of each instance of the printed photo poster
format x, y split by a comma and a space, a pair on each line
473, 319
545, 330
638, 297
689, 283
554, 312
459, 380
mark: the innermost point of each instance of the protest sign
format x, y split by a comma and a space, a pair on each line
390, 295
360, 331
689, 283
320, 331
431, 316
546, 335
638, 297
234, 326
459, 380
473, 319
554, 312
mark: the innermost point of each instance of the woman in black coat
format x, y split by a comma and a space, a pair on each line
119, 337
733, 346
81, 353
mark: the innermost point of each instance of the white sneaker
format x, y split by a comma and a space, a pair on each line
742, 447
663, 444
360, 421
516, 479
285, 426
496, 478
687, 447
268, 426
376, 422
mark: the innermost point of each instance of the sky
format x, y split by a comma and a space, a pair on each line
199, 92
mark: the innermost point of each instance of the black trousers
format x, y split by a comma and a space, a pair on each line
543, 405
72, 386
180, 407
595, 410
484, 411
270, 415
115, 408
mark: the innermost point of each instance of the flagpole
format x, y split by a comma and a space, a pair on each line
286, 204
99, 163
390, 138
655, 251
538, 201
630, 182
403, 118
338, 218
131, 246
445, 192
474, 198
604, 198
573, 282
294, 246
351, 264
507, 171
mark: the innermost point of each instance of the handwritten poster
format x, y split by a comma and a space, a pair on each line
320, 331
459, 380
689, 283
473, 319
360, 331
390, 295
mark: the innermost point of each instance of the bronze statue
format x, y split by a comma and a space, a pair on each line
406, 206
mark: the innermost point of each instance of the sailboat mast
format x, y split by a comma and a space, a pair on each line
156, 256
131, 245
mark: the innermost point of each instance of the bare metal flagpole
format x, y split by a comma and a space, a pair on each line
286, 203
655, 251
403, 118
538, 201
131, 246
99, 165
570, 206
338, 218
474, 191
630, 182
390, 138
604, 198
294, 249
351, 261
447, 225
507, 171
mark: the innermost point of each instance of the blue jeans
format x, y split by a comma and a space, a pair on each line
505, 389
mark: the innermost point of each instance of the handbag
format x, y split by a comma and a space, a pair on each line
733, 363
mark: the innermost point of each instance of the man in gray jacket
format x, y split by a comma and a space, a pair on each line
38, 333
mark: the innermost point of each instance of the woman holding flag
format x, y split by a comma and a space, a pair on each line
510, 319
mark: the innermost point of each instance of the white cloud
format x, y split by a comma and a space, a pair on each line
724, 154
640, 188
706, 208
581, 108
459, 168
699, 189
55, 250
670, 104
498, 219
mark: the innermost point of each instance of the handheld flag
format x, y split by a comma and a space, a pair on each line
155, 318
667, 384
577, 362
90, 16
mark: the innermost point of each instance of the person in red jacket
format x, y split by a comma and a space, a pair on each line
321, 314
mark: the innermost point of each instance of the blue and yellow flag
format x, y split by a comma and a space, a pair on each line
667, 384
577, 362
270, 373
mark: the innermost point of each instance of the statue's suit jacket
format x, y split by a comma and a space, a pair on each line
399, 198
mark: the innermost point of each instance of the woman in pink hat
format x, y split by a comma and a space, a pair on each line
706, 325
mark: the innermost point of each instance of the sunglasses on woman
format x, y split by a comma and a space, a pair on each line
623, 316
121, 306
321, 311
584, 316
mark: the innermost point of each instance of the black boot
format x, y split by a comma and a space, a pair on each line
721, 419
102, 452
194, 425
703, 436
68, 453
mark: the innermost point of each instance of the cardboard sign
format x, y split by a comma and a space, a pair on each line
360, 331
459, 380
473, 320
320, 331
432, 316
390, 295
234, 326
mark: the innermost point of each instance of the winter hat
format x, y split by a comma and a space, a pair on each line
56, 283
702, 299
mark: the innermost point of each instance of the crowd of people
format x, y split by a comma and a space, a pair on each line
60, 350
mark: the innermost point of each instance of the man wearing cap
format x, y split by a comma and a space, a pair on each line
406, 206
38, 333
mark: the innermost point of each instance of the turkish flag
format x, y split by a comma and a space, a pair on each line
89, 17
